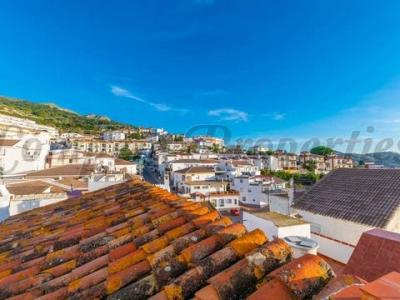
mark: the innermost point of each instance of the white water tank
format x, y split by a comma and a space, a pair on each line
302, 245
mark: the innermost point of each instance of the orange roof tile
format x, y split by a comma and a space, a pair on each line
135, 241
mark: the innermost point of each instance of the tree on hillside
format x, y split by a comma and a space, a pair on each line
322, 150
125, 153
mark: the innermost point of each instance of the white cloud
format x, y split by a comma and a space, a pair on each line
121, 92
229, 114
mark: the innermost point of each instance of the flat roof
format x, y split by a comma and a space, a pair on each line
278, 219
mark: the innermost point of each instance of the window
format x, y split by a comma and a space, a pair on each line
244, 199
228, 201
236, 202
241, 180
249, 190
221, 203
70, 161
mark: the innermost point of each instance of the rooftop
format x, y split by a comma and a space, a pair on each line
278, 219
206, 182
196, 170
135, 241
366, 196
119, 162
192, 160
33, 187
67, 170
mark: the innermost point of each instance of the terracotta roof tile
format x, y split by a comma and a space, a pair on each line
135, 241
376, 254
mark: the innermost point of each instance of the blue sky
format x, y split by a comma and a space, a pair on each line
262, 68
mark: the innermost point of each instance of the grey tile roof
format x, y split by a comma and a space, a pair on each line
365, 196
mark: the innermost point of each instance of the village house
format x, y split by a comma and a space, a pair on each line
124, 166
175, 146
24, 195
307, 158
233, 168
348, 202
255, 190
286, 161
114, 135
13, 127
192, 174
276, 225
220, 200
335, 161
26, 153
113, 148
204, 187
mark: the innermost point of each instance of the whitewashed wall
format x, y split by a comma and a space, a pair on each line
336, 229
333, 249
252, 222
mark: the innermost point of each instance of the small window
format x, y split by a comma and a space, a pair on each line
244, 199
221, 203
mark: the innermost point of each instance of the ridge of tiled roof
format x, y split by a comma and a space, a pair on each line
67, 170
33, 187
119, 161
196, 169
135, 241
364, 196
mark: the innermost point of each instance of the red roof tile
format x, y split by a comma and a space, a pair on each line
135, 241
376, 254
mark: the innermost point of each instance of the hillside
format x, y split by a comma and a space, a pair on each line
388, 159
52, 115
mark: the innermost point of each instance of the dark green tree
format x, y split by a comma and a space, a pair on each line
322, 150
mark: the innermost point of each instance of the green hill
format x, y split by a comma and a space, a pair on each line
60, 118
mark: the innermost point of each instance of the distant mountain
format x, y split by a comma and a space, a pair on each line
388, 159
52, 115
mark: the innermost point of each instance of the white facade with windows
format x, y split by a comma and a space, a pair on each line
113, 135
24, 153
220, 200
255, 190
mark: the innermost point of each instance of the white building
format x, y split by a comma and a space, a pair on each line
114, 135
204, 187
191, 174
29, 194
26, 153
124, 166
70, 135
14, 128
348, 202
275, 224
100, 181
234, 168
175, 146
220, 200
254, 190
